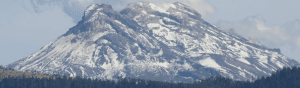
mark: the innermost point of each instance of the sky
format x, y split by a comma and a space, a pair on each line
28, 25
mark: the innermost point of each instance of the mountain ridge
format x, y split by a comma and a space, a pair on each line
165, 42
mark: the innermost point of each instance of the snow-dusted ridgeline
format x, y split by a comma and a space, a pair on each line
165, 42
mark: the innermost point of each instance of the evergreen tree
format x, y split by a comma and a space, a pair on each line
284, 78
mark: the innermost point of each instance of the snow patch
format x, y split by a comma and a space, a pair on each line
152, 15
135, 44
162, 7
278, 63
163, 31
153, 25
263, 65
195, 54
230, 64
260, 69
105, 65
209, 62
192, 23
104, 41
141, 4
170, 20
99, 35
180, 5
243, 60
96, 15
135, 18
87, 11
263, 59
163, 64
120, 23
93, 18
160, 52
242, 73
144, 12
244, 54
189, 12
187, 66
185, 31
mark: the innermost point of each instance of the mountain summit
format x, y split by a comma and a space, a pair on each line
165, 42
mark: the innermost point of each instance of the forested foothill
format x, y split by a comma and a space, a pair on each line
284, 78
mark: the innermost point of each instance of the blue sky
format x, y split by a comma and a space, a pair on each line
28, 25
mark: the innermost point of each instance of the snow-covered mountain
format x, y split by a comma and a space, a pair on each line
165, 42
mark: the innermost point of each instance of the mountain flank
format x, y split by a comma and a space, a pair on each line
154, 41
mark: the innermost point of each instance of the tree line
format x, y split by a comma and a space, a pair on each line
285, 78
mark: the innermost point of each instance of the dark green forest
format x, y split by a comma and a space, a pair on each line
284, 78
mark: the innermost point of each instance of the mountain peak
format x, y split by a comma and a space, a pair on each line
176, 8
96, 7
160, 7
165, 42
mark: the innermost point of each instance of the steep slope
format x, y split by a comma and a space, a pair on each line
165, 42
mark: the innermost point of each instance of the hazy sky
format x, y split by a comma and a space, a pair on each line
28, 25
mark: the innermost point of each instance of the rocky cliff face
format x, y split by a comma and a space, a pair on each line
165, 42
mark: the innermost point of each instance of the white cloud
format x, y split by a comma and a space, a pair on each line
297, 41
73, 7
293, 29
286, 37
202, 7
225, 25
255, 27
